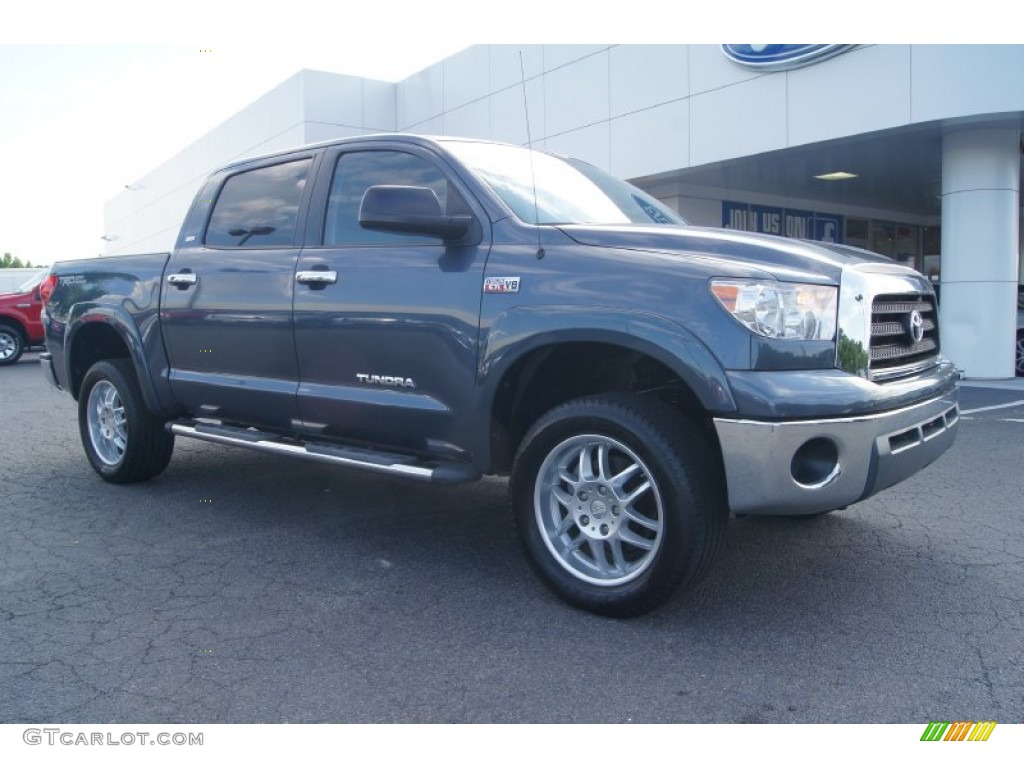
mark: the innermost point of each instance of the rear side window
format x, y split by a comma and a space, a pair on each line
259, 208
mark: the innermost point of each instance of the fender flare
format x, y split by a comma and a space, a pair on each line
142, 340
521, 330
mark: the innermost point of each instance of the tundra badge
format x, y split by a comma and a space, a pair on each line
386, 381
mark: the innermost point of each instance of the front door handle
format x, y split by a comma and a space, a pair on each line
183, 279
316, 278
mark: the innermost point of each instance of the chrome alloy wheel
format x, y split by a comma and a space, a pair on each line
599, 510
8, 344
1020, 353
107, 426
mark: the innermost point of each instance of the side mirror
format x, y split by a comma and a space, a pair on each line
411, 211
36, 295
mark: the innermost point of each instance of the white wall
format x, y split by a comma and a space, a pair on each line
637, 110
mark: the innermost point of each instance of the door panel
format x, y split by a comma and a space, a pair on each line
387, 354
226, 311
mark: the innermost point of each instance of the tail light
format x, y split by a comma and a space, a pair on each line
46, 288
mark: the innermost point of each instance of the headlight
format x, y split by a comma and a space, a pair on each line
780, 310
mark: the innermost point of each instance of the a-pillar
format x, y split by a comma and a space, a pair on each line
980, 245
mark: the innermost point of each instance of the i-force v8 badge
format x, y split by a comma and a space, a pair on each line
501, 285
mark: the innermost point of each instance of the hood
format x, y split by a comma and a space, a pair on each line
782, 257
15, 298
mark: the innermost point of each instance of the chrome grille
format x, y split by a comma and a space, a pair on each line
894, 351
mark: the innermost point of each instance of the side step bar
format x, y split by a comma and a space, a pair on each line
442, 473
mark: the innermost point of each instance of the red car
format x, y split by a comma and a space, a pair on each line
19, 319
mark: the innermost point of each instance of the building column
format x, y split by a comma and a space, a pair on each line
980, 247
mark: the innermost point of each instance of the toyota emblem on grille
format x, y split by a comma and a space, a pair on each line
916, 329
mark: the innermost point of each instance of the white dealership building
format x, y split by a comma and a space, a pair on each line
913, 151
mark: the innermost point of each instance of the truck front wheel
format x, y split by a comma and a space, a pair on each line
122, 439
618, 503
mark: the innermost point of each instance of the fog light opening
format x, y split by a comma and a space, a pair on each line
815, 463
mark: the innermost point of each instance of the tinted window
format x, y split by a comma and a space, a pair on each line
258, 208
355, 172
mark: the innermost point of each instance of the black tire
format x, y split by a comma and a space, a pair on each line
124, 442
1019, 353
12, 344
595, 552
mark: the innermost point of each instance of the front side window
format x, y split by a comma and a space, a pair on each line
259, 208
356, 172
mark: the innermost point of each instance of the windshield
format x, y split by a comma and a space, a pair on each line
33, 281
567, 191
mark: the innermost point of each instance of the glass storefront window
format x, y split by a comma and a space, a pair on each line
883, 238
857, 232
906, 249
910, 244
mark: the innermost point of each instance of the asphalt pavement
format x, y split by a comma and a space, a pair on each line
241, 587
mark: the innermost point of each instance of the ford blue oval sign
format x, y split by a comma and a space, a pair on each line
774, 57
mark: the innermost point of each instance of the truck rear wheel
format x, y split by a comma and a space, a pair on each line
122, 439
12, 344
618, 503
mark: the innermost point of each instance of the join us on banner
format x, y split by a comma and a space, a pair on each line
788, 222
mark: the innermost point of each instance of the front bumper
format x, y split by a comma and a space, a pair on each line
815, 465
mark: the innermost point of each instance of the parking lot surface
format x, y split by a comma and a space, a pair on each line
240, 587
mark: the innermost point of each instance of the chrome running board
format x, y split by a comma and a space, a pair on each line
442, 473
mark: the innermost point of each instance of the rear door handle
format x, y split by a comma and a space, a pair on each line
183, 279
316, 278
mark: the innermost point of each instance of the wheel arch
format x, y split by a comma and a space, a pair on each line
16, 323
524, 374
103, 333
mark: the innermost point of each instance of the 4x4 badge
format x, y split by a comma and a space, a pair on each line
501, 285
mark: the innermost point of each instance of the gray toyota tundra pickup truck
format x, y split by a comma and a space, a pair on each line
443, 309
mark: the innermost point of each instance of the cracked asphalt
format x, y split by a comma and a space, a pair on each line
239, 587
